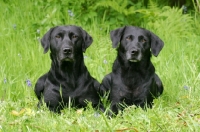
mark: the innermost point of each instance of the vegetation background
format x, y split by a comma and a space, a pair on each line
22, 62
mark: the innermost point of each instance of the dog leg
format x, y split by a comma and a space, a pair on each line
105, 85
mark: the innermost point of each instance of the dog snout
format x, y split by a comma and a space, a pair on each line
134, 55
67, 51
66, 54
134, 52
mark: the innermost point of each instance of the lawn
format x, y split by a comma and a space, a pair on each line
22, 25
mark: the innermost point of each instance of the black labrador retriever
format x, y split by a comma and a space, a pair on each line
133, 80
68, 79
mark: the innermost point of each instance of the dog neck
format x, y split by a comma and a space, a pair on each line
73, 68
133, 72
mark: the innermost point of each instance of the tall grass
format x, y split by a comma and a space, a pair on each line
23, 61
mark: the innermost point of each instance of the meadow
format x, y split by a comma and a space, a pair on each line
22, 62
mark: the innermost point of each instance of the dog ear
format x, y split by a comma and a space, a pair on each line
45, 41
156, 44
115, 36
87, 40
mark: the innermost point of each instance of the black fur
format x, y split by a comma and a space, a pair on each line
133, 80
68, 76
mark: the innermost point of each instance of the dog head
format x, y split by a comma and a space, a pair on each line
66, 42
135, 42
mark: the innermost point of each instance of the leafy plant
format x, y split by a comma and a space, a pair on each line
170, 20
196, 4
112, 12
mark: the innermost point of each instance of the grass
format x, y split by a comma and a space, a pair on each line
22, 59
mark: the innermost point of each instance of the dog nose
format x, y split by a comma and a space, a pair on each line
67, 50
134, 52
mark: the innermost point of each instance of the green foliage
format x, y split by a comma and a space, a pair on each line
196, 4
114, 13
170, 20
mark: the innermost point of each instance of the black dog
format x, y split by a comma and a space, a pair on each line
133, 79
68, 79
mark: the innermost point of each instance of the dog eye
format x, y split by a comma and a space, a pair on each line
143, 40
74, 36
58, 36
128, 38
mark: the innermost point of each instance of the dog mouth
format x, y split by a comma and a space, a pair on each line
133, 60
133, 57
66, 58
